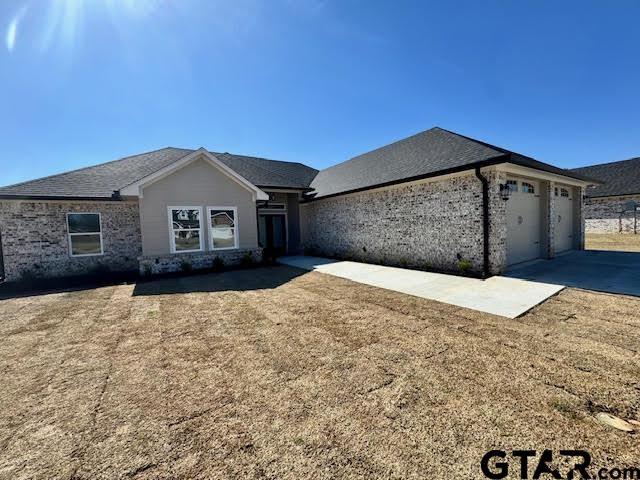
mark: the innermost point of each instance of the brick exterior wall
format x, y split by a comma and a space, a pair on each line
549, 219
152, 265
602, 215
497, 223
35, 240
581, 217
425, 225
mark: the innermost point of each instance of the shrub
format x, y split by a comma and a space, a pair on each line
403, 262
185, 266
247, 260
99, 269
218, 264
464, 265
29, 276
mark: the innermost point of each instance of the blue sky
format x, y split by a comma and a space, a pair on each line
87, 81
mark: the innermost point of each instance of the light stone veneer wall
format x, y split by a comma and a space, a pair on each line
35, 240
602, 215
425, 225
152, 265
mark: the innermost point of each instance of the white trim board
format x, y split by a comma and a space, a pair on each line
540, 174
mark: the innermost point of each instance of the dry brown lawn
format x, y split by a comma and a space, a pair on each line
271, 373
626, 242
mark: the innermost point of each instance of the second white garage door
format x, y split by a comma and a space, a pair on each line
564, 218
524, 221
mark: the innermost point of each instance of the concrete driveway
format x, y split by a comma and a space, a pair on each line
507, 297
604, 271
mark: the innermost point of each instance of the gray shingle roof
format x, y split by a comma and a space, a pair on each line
429, 153
100, 181
618, 178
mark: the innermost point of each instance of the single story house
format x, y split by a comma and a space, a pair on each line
434, 200
614, 205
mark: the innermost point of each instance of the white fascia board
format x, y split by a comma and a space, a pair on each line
136, 189
540, 174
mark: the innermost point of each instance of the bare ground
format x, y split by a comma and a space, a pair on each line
271, 373
626, 242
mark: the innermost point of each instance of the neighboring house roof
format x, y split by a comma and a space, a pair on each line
100, 181
429, 153
618, 178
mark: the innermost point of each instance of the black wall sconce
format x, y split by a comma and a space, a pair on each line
505, 191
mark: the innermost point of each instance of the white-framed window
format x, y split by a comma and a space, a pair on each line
528, 188
564, 192
223, 227
556, 191
85, 234
185, 229
512, 185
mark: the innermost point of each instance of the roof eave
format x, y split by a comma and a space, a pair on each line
293, 189
484, 163
60, 197
632, 194
514, 166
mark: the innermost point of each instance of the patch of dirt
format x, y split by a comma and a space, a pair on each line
277, 373
625, 242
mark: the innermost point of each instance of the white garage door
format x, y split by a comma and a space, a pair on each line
564, 218
524, 221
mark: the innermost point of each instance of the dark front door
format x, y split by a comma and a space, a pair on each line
273, 234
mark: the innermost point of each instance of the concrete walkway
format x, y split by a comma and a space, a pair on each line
507, 297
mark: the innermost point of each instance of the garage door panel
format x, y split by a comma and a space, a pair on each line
563, 232
524, 221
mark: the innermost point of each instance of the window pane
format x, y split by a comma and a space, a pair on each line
222, 218
84, 223
189, 218
223, 237
85, 244
187, 240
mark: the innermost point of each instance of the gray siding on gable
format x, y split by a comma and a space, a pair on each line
35, 241
197, 184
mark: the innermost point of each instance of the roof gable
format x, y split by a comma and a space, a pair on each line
430, 153
101, 181
136, 188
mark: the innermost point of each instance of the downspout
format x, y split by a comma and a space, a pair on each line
485, 222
